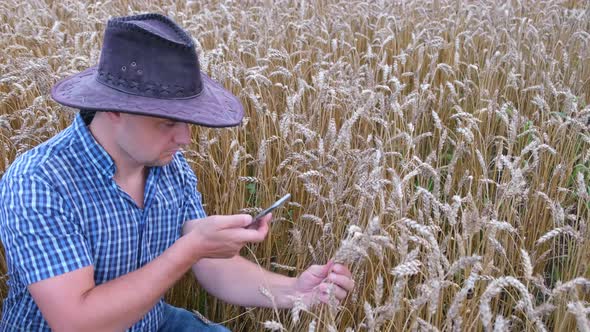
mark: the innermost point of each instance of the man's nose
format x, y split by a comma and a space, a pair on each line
183, 134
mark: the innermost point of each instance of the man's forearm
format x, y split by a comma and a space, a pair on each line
126, 299
118, 304
239, 281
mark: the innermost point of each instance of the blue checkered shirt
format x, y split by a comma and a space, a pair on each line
61, 210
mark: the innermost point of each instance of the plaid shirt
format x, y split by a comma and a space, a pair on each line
61, 210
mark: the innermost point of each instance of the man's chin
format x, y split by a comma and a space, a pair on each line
161, 162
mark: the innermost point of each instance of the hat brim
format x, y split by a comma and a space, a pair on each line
214, 106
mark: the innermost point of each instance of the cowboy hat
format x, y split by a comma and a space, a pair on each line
149, 66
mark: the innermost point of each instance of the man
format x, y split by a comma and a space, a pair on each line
102, 219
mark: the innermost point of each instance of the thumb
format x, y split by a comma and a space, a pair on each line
320, 271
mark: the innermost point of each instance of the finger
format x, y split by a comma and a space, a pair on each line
259, 234
247, 234
233, 221
320, 271
341, 280
341, 269
338, 292
264, 220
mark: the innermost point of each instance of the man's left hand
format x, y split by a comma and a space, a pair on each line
319, 281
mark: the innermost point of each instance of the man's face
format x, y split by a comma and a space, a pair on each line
151, 141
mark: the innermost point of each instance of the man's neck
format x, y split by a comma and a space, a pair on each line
129, 174
126, 167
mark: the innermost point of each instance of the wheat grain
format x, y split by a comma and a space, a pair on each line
273, 325
581, 313
497, 286
558, 231
526, 264
407, 269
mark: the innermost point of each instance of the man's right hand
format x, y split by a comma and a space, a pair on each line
223, 236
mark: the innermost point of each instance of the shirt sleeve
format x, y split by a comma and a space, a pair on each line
40, 234
193, 206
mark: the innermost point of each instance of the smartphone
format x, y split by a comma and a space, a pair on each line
268, 210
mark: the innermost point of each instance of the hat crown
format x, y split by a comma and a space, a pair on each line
148, 66
149, 55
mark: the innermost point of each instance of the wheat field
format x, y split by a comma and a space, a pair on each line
440, 148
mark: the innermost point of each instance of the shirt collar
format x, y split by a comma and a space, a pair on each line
92, 151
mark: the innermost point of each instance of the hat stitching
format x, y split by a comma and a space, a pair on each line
153, 89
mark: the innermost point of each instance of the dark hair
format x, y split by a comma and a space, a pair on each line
87, 116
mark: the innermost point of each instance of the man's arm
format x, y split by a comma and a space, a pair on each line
72, 302
239, 281
119, 303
